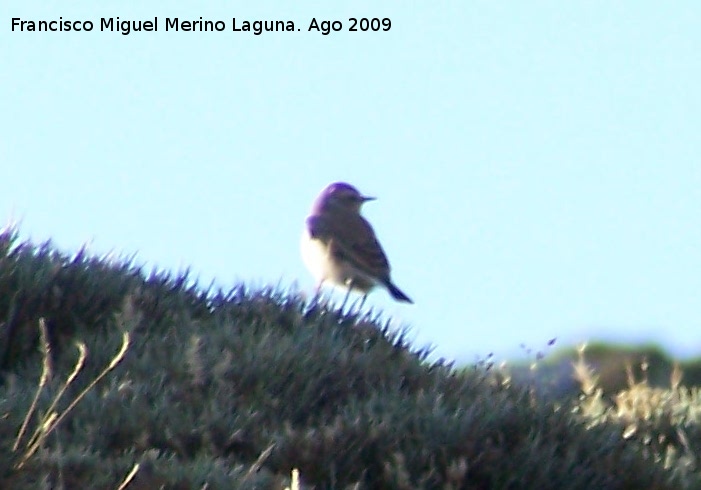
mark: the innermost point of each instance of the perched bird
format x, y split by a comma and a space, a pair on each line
340, 246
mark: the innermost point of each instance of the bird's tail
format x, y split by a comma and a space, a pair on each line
397, 293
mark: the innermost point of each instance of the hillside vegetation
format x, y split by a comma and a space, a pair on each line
111, 377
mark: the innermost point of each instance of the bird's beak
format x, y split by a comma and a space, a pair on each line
368, 198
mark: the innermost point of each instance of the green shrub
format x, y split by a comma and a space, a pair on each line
236, 389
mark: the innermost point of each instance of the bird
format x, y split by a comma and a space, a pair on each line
340, 246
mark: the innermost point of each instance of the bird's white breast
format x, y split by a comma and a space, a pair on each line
315, 255
324, 267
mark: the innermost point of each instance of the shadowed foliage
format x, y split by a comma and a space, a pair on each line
236, 389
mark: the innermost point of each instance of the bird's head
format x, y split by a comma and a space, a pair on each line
340, 195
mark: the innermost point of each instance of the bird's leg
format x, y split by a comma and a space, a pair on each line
349, 284
362, 302
354, 308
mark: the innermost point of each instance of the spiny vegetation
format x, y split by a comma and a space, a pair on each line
115, 378
665, 421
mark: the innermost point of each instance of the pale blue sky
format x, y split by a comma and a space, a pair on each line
537, 164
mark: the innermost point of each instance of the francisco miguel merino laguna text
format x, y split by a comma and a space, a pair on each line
124, 27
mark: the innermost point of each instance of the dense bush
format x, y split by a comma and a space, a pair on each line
236, 389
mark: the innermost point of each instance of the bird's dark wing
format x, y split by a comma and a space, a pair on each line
358, 244
350, 237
